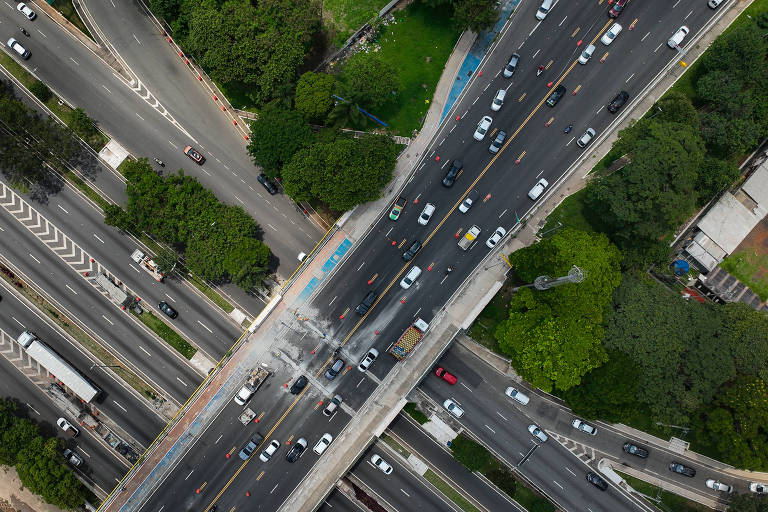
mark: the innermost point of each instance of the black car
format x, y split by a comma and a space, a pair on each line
366, 303
295, 452
501, 136
300, 384
264, 180
618, 102
676, 467
168, 310
556, 95
453, 173
597, 481
635, 450
412, 250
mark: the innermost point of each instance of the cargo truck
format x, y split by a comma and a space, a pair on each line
409, 339
255, 380
469, 237
147, 264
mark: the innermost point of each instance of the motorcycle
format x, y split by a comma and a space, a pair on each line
568, 128
23, 31
159, 162
540, 70
449, 270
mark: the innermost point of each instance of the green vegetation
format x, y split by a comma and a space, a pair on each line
750, 268
169, 335
748, 503
665, 500
85, 128
395, 445
416, 414
99, 352
37, 459
345, 17
475, 457
276, 136
483, 330
70, 13
219, 242
451, 493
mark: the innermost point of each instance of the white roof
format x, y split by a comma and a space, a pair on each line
728, 222
756, 186
702, 257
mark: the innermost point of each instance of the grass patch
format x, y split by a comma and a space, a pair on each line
417, 45
345, 17
571, 213
450, 492
665, 500
67, 10
99, 352
750, 268
416, 414
166, 333
395, 445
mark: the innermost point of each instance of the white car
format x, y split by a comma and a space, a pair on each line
585, 427
586, 54
537, 189
67, 427
719, 486
482, 127
609, 36
380, 463
368, 360
678, 37
426, 214
410, 278
546, 5
498, 100
586, 138
517, 396
26, 11
322, 444
758, 488
14, 45
537, 433
453, 408
714, 4
269, 451
497, 235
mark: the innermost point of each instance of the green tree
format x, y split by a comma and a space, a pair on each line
314, 95
276, 136
81, 124
40, 90
675, 107
472, 455
166, 9
747, 333
342, 173
369, 81
748, 503
166, 260
714, 176
554, 336
475, 15
39, 470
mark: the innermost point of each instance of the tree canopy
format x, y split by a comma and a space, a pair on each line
554, 336
314, 95
369, 81
276, 136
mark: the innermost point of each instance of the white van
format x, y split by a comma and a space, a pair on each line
537, 189
410, 278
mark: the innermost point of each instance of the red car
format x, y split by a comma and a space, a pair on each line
617, 8
194, 155
446, 376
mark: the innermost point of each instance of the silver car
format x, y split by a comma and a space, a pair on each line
586, 138
586, 54
426, 214
482, 127
537, 433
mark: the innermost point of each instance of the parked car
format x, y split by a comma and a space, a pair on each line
298, 449
468, 201
676, 467
67, 427
397, 208
718, 486
586, 54
251, 446
585, 139
482, 127
597, 481
757, 487
453, 173
323, 444
412, 251
498, 100
617, 8
635, 450
453, 408
537, 433
509, 69
267, 183
538, 189
14, 45
26, 11
368, 360
426, 214
269, 451
497, 235
73, 458
446, 375
167, 309
380, 463
556, 95
611, 34
194, 155
678, 37
714, 4
495, 146
300, 384
618, 102
517, 396
585, 427
410, 278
